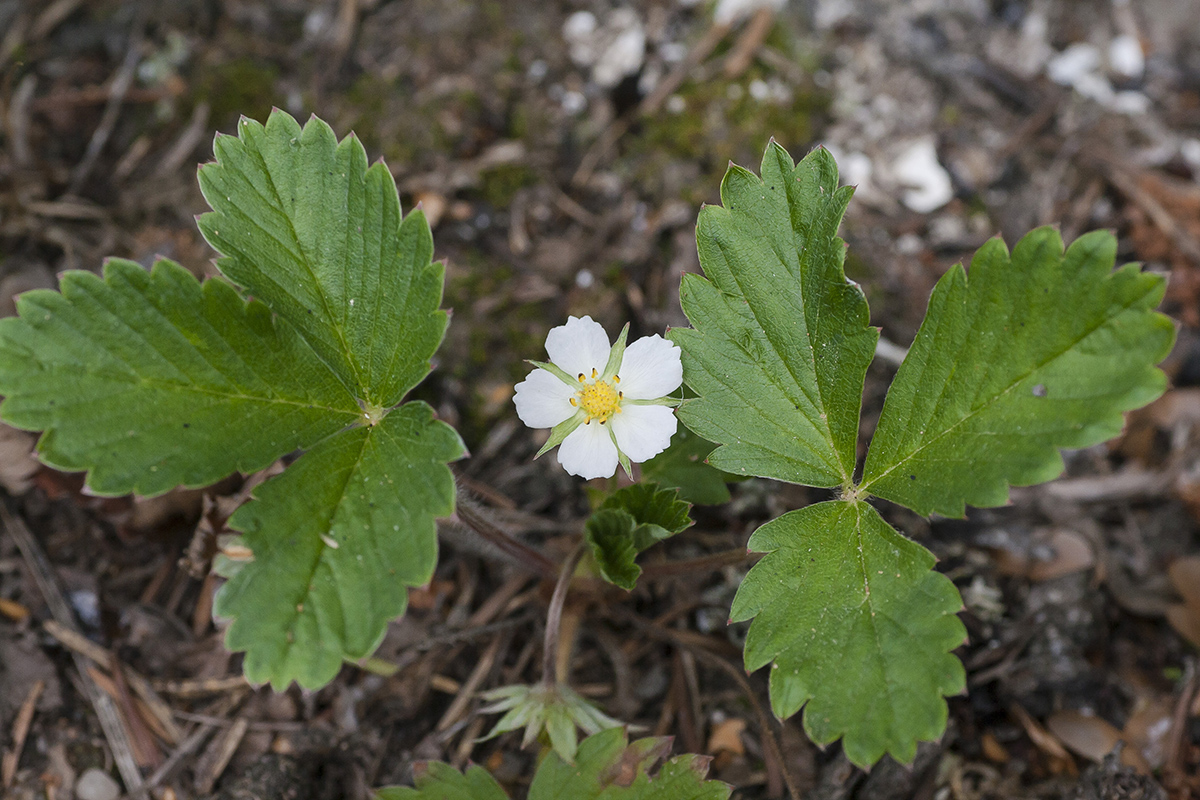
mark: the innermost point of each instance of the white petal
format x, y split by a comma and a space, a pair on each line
543, 400
650, 369
579, 346
589, 452
643, 431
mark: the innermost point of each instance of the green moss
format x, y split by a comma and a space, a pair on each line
721, 122
243, 85
500, 183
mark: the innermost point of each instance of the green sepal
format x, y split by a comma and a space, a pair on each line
616, 355
556, 371
559, 432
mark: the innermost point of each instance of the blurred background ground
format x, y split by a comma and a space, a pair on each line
561, 151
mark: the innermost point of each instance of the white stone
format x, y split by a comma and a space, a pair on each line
1072, 64
1190, 150
96, 784
856, 169
730, 11
625, 50
927, 184
1125, 56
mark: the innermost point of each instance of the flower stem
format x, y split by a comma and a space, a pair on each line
472, 515
554, 616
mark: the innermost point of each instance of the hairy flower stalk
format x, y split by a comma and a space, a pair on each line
607, 404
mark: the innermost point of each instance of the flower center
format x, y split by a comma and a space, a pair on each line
599, 400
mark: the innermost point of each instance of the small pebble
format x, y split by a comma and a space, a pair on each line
96, 784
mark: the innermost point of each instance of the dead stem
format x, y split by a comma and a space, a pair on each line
554, 616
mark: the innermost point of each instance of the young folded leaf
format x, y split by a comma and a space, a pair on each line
629, 521
780, 343
858, 626
148, 380
1026, 354
607, 766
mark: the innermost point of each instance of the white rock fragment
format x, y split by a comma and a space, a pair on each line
1125, 57
1079, 66
730, 11
856, 169
613, 51
1190, 150
96, 784
573, 102
927, 183
1073, 64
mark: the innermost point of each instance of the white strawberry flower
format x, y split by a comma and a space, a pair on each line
607, 404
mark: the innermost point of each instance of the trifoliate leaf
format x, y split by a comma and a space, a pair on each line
608, 767
149, 380
684, 466
858, 626
305, 226
1027, 354
338, 538
780, 343
629, 521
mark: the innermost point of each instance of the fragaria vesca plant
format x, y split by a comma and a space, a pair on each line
327, 314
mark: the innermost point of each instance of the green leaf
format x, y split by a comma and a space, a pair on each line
609, 534
1029, 354
150, 380
780, 344
658, 513
437, 781
608, 767
338, 538
305, 226
629, 521
683, 466
858, 626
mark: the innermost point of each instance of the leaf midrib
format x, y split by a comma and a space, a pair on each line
306, 262
823, 427
866, 485
320, 554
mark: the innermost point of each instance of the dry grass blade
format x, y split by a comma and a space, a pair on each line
20, 729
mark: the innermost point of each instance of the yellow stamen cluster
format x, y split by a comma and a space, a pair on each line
598, 399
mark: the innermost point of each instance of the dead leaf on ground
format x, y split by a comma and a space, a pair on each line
1093, 738
17, 463
726, 736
